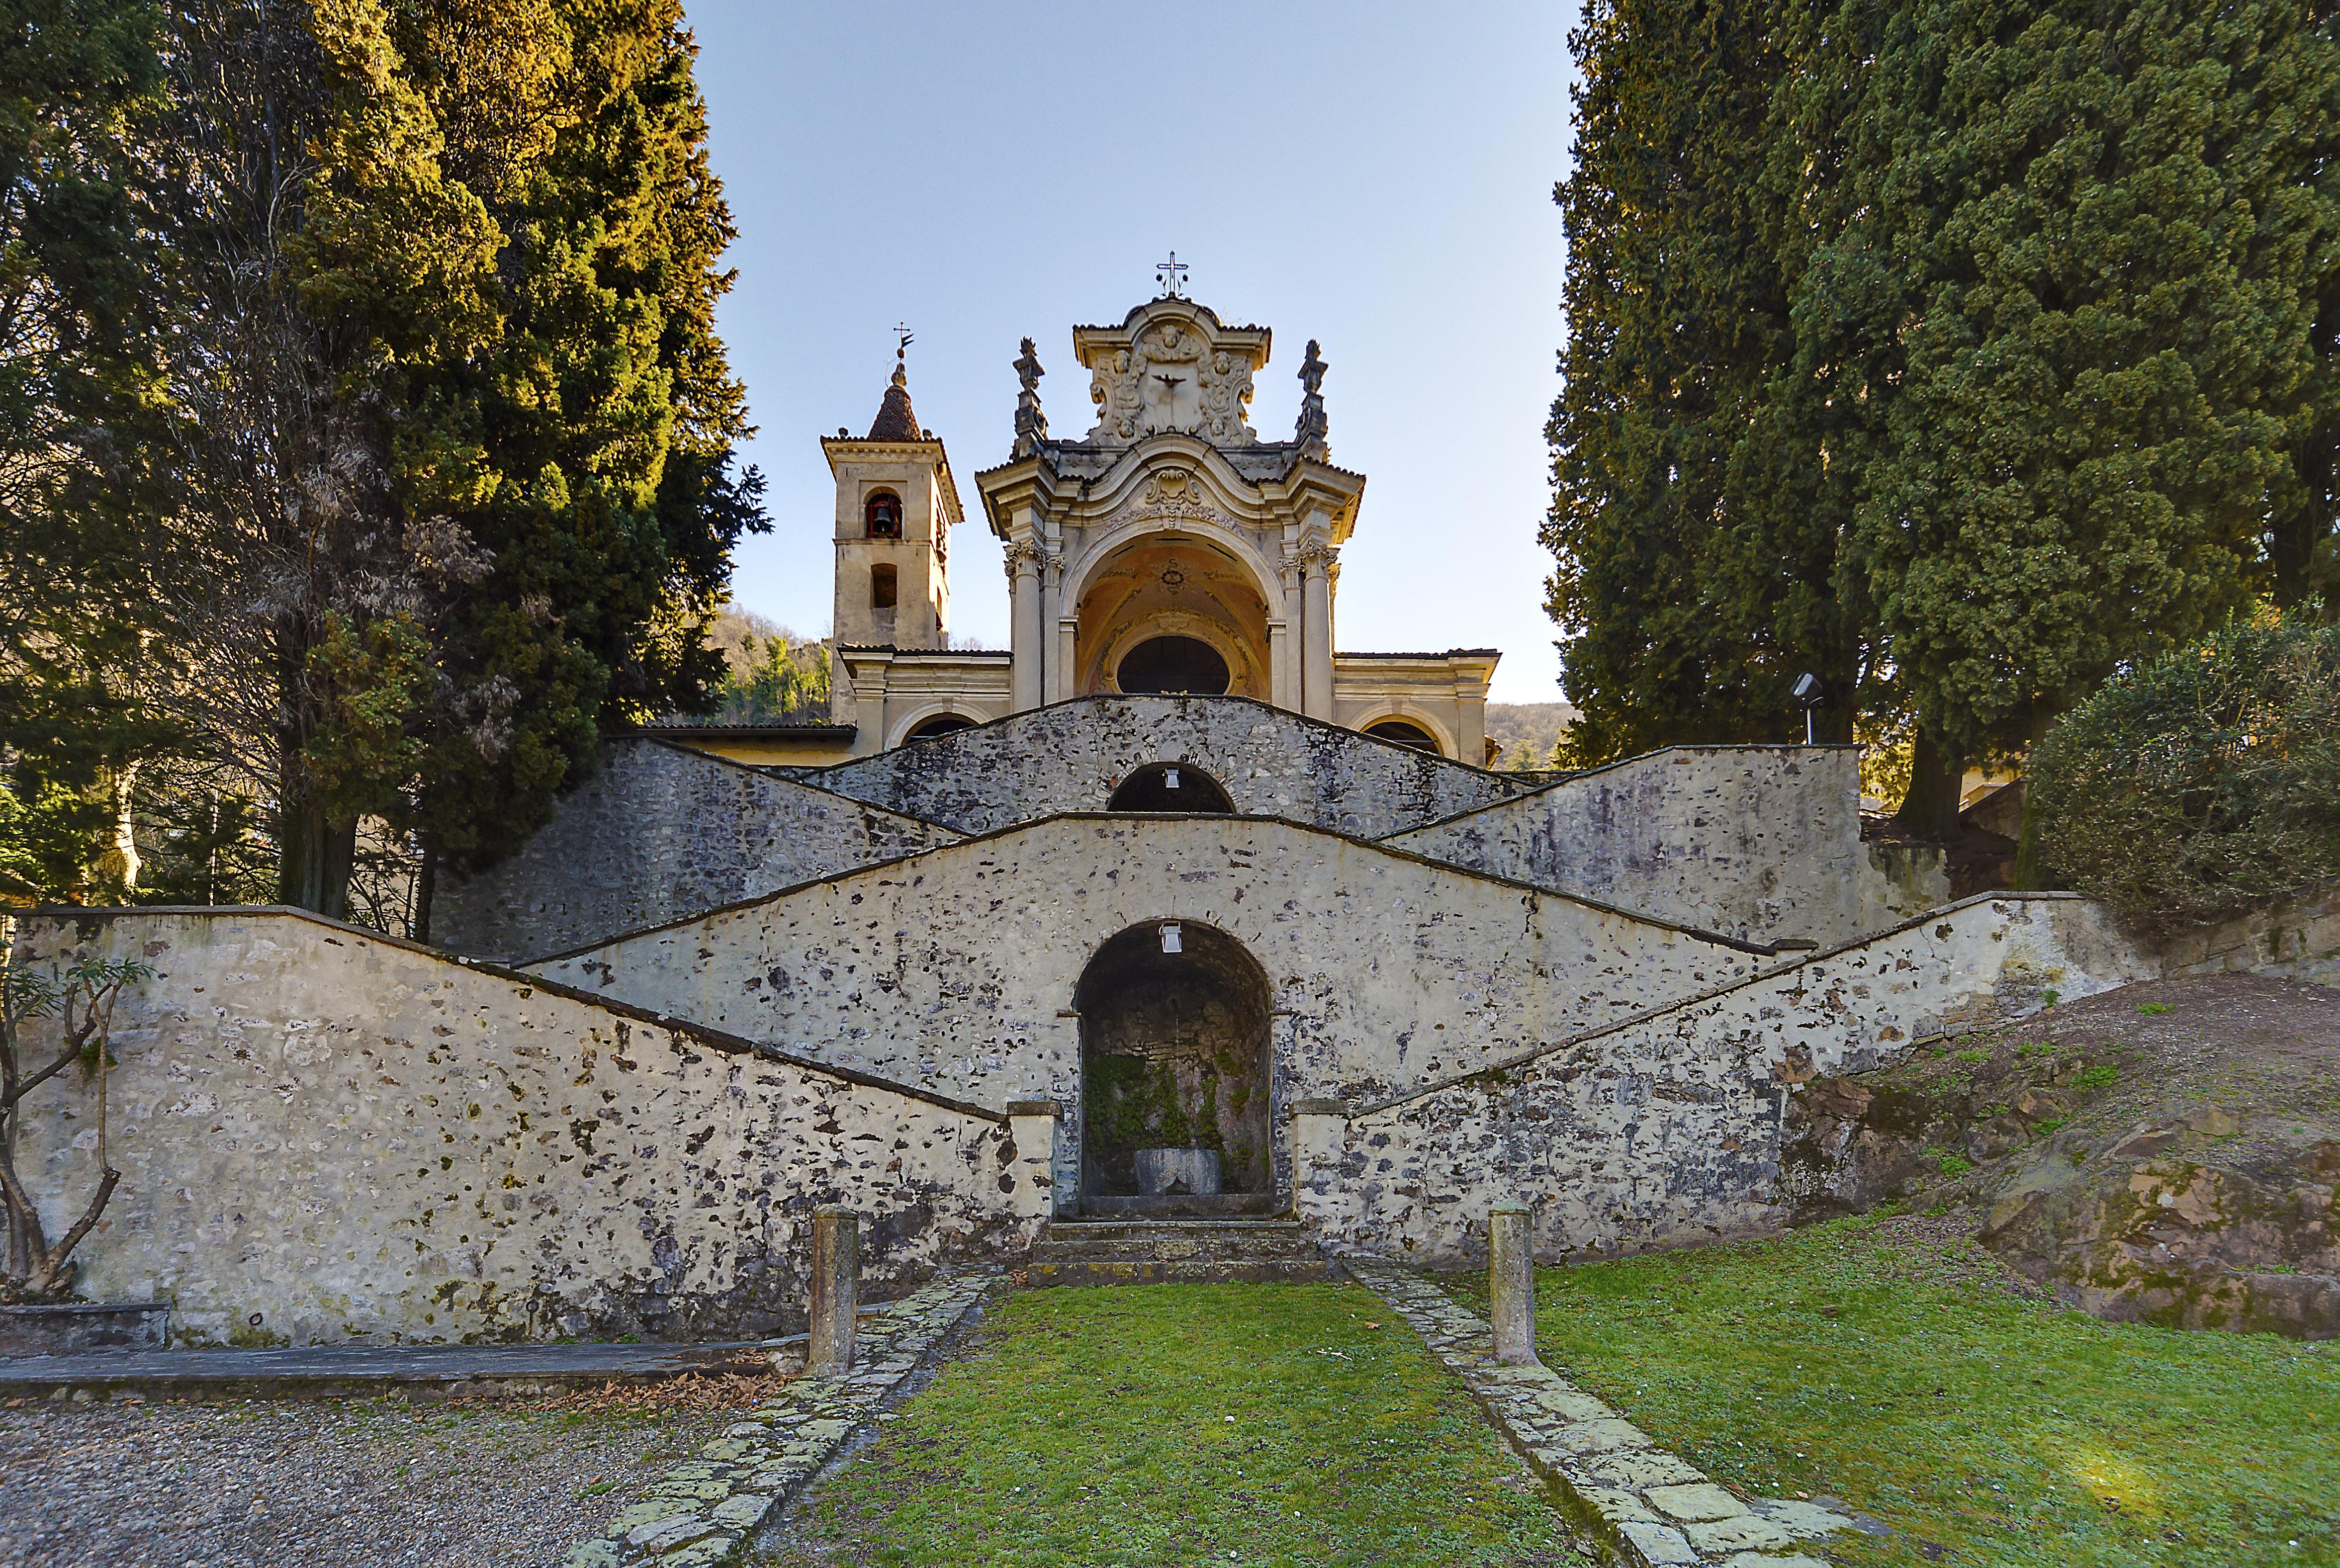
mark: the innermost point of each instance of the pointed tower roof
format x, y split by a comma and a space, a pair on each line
896, 421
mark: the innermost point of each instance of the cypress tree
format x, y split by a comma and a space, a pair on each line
2055, 386
448, 471
1695, 571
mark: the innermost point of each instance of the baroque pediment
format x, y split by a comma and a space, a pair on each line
1172, 369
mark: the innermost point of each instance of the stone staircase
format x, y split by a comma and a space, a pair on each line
1177, 1252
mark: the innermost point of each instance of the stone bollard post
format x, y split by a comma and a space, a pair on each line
1511, 1285
836, 1287
1314, 1137
1045, 1193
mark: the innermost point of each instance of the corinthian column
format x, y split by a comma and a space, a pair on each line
1316, 639
1028, 662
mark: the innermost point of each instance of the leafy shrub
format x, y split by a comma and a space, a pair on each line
2190, 788
2096, 1077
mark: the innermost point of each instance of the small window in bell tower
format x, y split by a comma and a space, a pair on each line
881, 588
883, 513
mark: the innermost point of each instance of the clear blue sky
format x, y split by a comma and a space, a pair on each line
1377, 176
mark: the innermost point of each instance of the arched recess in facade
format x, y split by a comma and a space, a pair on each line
1143, 581
928, 723
1175, 1055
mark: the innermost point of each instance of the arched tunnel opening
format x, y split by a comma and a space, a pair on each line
1171, 787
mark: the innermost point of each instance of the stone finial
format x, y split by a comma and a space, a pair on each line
1309, 434
1031, 424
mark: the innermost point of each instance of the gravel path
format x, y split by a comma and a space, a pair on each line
278, 1485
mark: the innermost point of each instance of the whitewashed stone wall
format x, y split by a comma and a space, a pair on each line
957, 970
1666, 1129
1757, 841
325, 1135
661, 831
1070, 755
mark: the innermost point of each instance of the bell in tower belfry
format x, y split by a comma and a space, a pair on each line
896, 503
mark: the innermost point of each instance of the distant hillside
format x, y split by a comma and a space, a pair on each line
1536, 725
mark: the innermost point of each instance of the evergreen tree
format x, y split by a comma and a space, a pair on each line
448, 467
2110, 269
2013, 322
604, 422
1695, 575
83, 630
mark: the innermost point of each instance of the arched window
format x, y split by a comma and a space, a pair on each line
883, 514
1405, 734
881, 588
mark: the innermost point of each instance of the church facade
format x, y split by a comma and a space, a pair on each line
1167, 549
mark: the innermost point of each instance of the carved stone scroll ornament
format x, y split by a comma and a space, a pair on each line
1226, 389
1173, 495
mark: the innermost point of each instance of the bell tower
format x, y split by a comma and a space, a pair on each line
896, 503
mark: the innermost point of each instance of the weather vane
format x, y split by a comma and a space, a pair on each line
1171, 275
902, 349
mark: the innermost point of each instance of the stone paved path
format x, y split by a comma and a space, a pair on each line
704, 1511
1629, 1497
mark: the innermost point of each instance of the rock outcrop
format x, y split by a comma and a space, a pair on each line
2166, 1153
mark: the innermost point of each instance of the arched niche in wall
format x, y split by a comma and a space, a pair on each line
1175, 1055
1171, 787
940, 724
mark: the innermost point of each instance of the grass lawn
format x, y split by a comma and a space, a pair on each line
1267, 1424
1887, 1362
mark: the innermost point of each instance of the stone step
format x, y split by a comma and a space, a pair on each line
1196, 1205
1198, 1271
1165, 1252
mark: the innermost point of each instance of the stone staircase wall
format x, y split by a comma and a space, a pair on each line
960, 969
325, 1135
659, 832
1667, 1128
1760, 842
1070, 755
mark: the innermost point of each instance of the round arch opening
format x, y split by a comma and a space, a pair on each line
940, 724
1405, 734
1171, 787
1186, 665
1175, 1061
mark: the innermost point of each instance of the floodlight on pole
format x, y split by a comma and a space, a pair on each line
1808, 692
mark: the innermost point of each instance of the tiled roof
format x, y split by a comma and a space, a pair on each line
1449, 653
895, 422
776, 732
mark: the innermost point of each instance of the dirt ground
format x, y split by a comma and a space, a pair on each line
307, 1484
